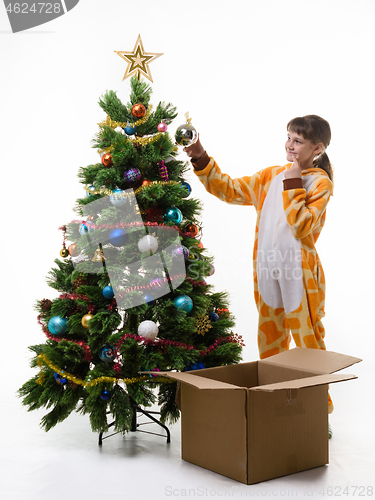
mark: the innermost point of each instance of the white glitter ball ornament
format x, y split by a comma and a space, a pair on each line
148, 329
148, 244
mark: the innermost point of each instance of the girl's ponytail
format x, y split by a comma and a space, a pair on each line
322, 161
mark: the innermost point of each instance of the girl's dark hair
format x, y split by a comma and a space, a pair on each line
315, 129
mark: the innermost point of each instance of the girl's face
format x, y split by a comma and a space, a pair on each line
303, 149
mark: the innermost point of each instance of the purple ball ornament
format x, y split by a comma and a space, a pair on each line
133, 176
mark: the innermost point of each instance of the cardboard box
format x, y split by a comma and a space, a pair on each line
260, 420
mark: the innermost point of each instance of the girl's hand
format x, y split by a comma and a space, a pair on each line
294, 171
195, 151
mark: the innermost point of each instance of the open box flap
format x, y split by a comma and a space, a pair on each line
304, 382
196, 381
312, 360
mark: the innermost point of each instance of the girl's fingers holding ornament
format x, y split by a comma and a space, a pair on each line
196, 150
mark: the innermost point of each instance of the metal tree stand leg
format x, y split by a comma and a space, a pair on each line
135, 426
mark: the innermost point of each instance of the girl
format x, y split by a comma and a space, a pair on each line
290, 201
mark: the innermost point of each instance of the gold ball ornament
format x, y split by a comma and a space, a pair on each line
64, 252
138, 110
85, 320
107, 160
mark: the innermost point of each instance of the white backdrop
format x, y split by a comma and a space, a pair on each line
242, 69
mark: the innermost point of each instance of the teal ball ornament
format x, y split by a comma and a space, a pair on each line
172, 214
108, 292
184, 303
57, 325
91, 189
118, 237
107, 353
129, 130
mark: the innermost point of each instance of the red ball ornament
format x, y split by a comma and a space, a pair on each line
107, 160
138, 110
146, 182
191, 229
162, 127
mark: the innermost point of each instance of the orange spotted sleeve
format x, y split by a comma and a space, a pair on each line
240, 191
304, 211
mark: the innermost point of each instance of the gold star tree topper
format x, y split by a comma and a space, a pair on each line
138, 60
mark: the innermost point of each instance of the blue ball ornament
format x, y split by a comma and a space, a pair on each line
149, 299
172, 214
60, 379
86, 228
108, 292
130, 130
133, 176
57, 325
186, 186
213, 317
118, 237
117, 198
196, 366
105, 395
184, 303
107, 353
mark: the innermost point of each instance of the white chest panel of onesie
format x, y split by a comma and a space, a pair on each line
279, 262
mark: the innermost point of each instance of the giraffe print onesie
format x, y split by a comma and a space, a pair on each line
289, 284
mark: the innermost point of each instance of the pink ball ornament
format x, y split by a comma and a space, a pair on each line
162, 127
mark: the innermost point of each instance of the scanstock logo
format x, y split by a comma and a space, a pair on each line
25, 15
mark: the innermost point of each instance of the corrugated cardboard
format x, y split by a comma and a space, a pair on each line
260, 420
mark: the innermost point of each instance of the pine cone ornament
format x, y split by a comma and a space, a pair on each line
45, 305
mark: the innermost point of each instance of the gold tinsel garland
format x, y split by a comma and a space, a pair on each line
113, 124
42, 358
143, 141
108, 192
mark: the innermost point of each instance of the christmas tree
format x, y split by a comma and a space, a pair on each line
132, 291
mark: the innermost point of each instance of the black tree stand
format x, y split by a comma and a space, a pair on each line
135, 426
